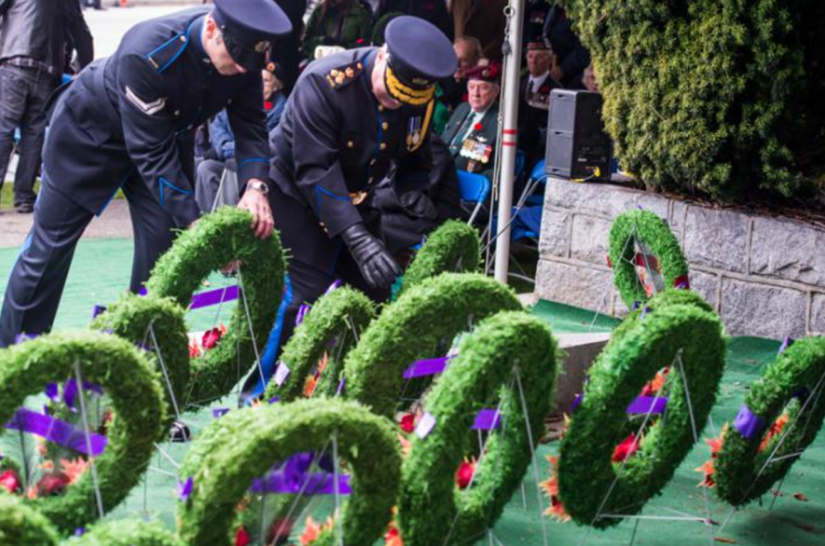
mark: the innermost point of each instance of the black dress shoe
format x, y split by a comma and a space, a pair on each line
179, 432
25, 208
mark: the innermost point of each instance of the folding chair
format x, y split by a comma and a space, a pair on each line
473, 188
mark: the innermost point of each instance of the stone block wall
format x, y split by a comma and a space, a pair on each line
765, 276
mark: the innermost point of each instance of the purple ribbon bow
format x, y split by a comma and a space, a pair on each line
748, 423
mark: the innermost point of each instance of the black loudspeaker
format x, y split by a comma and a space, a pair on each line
577, 146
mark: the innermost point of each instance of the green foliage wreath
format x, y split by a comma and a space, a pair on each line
453, 248
131, 317
131, 532
431, 507
215, 241
412, 328
332, 317
795, 379
644, 227
21, 524
136, 397
244, 444
586, 472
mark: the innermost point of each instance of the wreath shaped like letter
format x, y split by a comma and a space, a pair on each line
438, 309
640, 226
430, 503
331, 319
129, 532
244, 444
21, 524
131, 317
791, 382
452, 248
137, 402
590, 483
215, 241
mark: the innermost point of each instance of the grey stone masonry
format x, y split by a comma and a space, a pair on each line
764, 275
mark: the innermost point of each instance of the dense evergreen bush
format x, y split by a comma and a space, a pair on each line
719, 97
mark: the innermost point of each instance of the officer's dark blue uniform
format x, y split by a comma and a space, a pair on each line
342, 161
128, 123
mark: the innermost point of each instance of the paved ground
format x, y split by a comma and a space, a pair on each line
107, 28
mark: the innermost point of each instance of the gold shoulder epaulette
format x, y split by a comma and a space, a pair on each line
340, 77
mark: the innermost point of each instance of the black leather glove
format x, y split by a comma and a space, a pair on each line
418, 205
376, 264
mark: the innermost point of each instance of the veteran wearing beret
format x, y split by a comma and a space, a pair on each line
128, 123
354, 143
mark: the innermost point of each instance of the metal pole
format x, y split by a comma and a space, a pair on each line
512, 66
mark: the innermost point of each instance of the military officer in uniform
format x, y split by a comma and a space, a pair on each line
354, 144
128, 122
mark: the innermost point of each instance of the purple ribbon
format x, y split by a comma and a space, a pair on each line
273, 400
334, 286
98, 310
748, 423
487, 419
185, 489
143, 291
635, 305
647, 404
310, 484
341, 384
645, 311
52, 392
214, 297
217, 413
57, 431
423, 368
70, 391
20, 338
785, 345
302, 312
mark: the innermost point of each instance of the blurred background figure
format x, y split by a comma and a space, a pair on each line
343, 23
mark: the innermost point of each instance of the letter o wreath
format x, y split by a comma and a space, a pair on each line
452, 248
21, 524
410, 328
331, 317
585, 470
644, 227
790, 382
431, 507
244, 444
137, 401
130, 318
216, 240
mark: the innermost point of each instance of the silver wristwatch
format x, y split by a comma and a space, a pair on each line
258, 185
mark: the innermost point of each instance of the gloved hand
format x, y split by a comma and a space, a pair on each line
376, 264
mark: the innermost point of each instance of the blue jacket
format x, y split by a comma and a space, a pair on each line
220, 131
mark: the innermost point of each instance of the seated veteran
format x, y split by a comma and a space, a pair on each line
473, 128
534, 103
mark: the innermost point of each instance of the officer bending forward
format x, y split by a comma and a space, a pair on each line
127, 123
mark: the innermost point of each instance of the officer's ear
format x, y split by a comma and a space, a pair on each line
210, 27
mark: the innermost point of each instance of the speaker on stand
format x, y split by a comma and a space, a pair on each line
577, 146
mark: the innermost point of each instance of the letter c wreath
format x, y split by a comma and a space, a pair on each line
782, 414
648, 230
137, 401
244, 444
591, 485
216, 240
431, 508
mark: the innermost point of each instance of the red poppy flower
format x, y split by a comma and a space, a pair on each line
53, 483
359, 41
626, 449
544, 89
268, 105
211, 338
10, 481
465, 474
408, 423
465, 97
242, 537
478, 126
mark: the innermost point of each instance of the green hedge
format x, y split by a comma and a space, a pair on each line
723, 97
130, 532
23, 525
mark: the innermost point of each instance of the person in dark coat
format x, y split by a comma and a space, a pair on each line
434, 11
352, 153
573, 58
127, 122
534, 101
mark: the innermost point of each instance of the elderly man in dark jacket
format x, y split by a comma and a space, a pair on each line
33, 37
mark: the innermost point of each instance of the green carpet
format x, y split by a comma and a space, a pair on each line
101, 271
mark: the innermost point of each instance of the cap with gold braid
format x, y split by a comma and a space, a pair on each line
248, 27
419, 55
